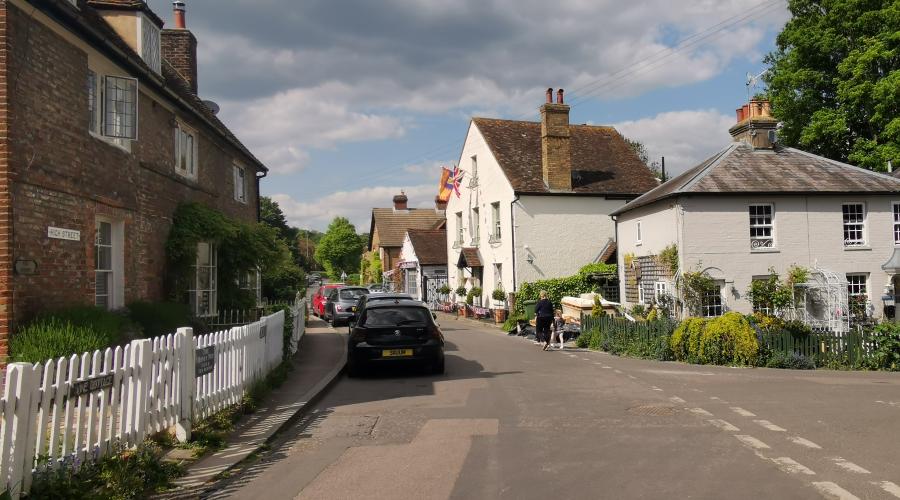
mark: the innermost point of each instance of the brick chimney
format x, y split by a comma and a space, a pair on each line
556, 156
179, 46
755, 125
400, 202
440, 206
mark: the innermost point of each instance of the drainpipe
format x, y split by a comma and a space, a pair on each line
258, 207
620, 277
512, 232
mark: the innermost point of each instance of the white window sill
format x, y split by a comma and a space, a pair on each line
112, 142
185, 175
765, 250
857, 248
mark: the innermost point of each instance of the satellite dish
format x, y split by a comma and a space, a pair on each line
212, 107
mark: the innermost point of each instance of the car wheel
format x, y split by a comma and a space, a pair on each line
438, 367
354, 370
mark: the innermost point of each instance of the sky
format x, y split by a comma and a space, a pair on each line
349, 101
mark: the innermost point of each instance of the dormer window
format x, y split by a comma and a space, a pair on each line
149, 43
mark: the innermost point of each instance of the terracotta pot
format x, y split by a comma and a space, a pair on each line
500, 315
463, 311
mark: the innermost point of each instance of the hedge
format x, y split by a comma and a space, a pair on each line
557, 288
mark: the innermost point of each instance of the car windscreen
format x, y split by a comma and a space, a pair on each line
353, 293
396, 316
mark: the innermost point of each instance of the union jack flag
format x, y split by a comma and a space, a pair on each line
450, 181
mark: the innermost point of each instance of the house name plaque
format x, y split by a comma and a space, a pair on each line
204, 360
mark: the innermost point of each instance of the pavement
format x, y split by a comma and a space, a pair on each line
509, 420
317, 364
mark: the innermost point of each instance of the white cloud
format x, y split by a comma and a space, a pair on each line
355, 205
685, 138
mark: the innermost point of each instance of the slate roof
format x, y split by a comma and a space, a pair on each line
430, 246
392, 225
86, 21
468, 257
739, 168
602, 162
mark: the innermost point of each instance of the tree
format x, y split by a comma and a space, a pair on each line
641, 151
270, 214
834, 80
340, 248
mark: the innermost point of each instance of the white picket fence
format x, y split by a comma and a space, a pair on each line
69, 410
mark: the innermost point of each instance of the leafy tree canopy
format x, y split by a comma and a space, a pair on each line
834, 80
340, 248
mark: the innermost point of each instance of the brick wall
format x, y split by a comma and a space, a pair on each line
65, 177
6, 302
179, 47
556, 156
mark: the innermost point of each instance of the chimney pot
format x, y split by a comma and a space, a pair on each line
559, 96
179, 14
550, 96
400, 201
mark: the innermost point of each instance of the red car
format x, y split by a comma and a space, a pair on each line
318, 301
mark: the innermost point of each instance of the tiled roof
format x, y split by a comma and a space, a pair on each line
468, 257
92, 24
392, 225
602, 162
430, 246
740, 168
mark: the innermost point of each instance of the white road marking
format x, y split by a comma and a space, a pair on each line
586, 359
770, 426
889, 403
725, 426
572, 356
850, 466
742, 412
597, 363
656, 388
701, 411
833, 491
791, 466
889, 487
676, 399
752, 442
713, 397
804, 442
618, 371
608, 367
632, 377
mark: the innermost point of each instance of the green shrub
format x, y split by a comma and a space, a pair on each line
728, 339
499, 295
157, 319
584, 339
791, 361
598, 268
460, 292
662, 350
112, 325
127, 474
557, 288
887, 347
595, 340
685, 340
512, 321
50, 338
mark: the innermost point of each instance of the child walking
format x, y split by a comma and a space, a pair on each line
558, 325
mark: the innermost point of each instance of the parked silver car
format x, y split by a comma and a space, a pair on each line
340, 303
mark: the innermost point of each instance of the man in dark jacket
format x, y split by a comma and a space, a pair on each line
543, 312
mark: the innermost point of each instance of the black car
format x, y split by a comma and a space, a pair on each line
398, 331
340, 303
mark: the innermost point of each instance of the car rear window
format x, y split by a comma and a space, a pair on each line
353, 293
396, 316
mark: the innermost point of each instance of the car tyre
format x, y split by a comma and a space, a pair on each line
438, 367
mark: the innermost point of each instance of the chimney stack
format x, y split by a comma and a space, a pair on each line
400, 202
440, 206
556, 156
179, 46
755, 125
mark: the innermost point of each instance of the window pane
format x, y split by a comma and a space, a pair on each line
203, 254
120, 108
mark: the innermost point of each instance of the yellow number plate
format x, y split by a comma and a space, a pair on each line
393, 353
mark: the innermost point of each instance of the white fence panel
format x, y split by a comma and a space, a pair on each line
85, 406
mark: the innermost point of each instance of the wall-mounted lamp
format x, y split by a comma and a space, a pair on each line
529, 259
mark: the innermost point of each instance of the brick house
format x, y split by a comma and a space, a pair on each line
389, 226
103, 136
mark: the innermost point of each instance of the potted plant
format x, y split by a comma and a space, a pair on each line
474, 297
461, 300
499, 297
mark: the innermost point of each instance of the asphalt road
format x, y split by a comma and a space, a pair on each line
511, 421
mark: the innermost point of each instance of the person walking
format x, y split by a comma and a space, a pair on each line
558, 325
543, 312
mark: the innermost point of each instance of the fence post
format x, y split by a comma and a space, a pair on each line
139, 388
184, 347
16, 435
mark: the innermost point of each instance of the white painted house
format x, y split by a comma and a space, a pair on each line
756, 206
536, 197
423, 262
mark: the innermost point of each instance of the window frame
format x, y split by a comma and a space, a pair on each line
895, 211
460, 230
94, 114
639, 237
659, 290
497, 228
864, 285
109, 129
251, 281
181, 129
115, 293
475, 229
708, 309
239, 172
762, 227
863, 241
153, 60
212, 288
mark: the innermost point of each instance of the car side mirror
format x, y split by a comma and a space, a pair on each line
434, 315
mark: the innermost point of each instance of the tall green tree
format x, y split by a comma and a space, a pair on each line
834, 80
340, 248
